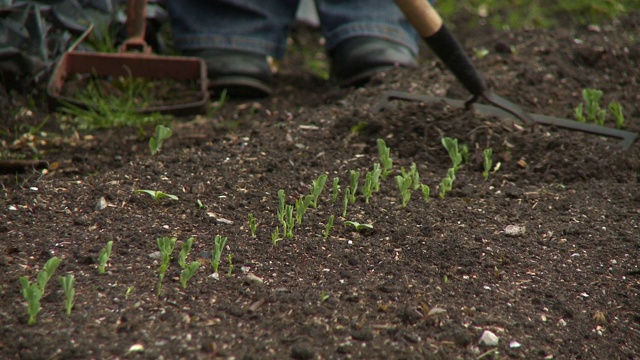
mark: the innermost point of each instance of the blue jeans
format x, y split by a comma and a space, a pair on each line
262, 26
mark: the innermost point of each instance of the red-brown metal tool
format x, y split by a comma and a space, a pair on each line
134, 59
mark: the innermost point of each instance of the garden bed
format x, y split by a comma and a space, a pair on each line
426, 282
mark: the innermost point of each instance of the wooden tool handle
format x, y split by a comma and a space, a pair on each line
422, 16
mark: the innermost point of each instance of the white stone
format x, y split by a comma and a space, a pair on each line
489, 339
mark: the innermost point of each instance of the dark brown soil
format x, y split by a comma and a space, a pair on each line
425, 283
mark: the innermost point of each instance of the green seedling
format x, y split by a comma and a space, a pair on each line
375, 177
616, 111
187, 272
200, 205
219, 243
157, 195
281, 204
155, 142
103, 258
452, 147
32, 294
324, 296
367, 188
445, 186
328, 226
354, 176
275, 236
185, 249
345, 202
230, 262
488, 162
316, 189
335, 189
166, 246
47, 272
578, 113
128, 292
252, 225
69, 292
426, 192
359, 227
591, 99
385, 158
404, 184
413, 174
289, 221
301, 206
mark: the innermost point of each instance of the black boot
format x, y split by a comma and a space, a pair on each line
242, 74
354, 60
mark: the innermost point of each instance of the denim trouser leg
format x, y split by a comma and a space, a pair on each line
343, 19
260, 26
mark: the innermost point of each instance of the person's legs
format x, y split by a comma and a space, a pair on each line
366, 36
234, 37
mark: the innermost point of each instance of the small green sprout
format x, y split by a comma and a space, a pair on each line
480, 52
275, 236
219, 243
201, 205
488, 162
252, 225
404, 184
32, 294
103, 258
187, 272
445, 186
157, 195
185, 249
578, 113
335, 189
166, 246
375, 177
426, 192
385, 158
129, 291
358, 226
155, 142
616, 111
301, 206
454, 151
316, 189
345, 202
281, 204
230, 262
367, 188
464, 152
69, 292
328, 227
289, 221
413, 174
354, 176
592, 101
324, 296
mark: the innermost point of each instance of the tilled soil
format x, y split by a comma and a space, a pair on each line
425, 283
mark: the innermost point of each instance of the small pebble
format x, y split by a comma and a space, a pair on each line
514, 230
252, 279
489, 339
102, 204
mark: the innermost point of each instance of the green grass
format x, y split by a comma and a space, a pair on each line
518, 14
